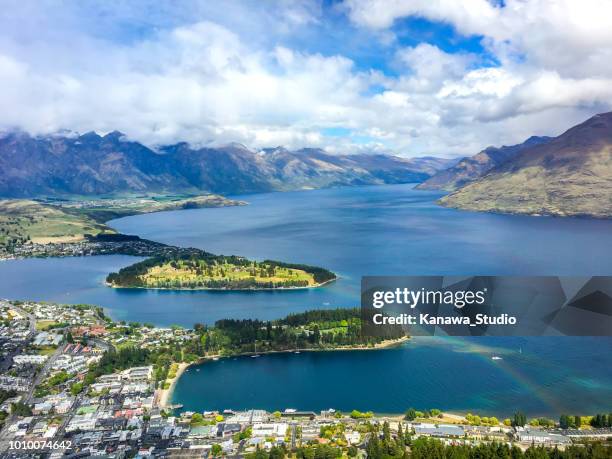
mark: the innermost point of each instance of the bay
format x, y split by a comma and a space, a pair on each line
542, 376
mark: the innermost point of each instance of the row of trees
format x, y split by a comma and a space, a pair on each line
305, 452
574, 422
601, 420
565, 421
426, 448
519, 419
412, 414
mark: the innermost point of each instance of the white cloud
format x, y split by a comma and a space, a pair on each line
554, 56
571, 37
380, 14
198, 83
205, 82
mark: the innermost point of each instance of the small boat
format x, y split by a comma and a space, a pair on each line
496, 357
215, 358
254, 356
297, 352
197, 369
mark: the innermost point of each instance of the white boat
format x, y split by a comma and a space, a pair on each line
496, 357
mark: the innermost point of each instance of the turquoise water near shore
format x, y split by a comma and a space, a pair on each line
386, 230
541, 376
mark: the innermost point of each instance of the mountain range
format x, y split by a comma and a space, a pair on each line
470, 169
569, 175
90, 164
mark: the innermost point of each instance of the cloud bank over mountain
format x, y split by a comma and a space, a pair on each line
354, 76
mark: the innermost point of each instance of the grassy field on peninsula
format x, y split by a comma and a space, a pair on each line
47, 221
208, 271
23, 221
186, 273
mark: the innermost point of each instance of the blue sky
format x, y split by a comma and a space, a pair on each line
408, 77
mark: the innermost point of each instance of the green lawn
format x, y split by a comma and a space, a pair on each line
22, 221
186, 274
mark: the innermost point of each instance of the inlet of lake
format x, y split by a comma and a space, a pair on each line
377, 230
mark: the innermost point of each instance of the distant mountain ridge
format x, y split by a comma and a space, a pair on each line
570, 175
91, 164
566, 175
472, 168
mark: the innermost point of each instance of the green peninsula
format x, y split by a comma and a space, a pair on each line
199, 270
24, 222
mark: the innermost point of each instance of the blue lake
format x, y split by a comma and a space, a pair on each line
386, 230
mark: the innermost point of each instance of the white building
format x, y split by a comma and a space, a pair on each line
138, 374
73, 363
29, 359
270, 429
14, 383
529, 435
82, 422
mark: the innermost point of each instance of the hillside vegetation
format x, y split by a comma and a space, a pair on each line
473, 168
61, 221
24, 221
571, 175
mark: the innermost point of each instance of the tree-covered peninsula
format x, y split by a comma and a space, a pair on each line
317, 330
202, 270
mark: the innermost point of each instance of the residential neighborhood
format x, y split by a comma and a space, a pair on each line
59, 400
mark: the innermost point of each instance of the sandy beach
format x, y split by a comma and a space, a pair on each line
165, 394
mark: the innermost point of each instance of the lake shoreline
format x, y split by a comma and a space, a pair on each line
218, 289
166, 394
